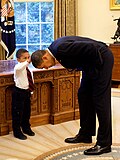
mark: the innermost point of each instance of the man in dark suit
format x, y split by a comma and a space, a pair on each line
95, 60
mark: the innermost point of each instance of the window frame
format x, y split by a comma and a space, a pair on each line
27, 44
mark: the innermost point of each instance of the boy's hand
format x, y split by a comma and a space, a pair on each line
29, 60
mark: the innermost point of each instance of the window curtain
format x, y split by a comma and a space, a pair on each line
65, 18
2, 53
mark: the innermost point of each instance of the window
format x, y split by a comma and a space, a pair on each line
34, 24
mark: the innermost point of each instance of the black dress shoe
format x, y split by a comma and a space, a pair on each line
28, 132
79, 139
20, 136
97, 150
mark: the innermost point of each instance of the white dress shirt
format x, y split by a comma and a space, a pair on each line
20, 75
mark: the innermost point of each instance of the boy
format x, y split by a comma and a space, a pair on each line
21, 96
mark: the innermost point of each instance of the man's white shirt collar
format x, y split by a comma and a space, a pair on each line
50, 52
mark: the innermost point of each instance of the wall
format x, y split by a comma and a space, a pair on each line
95, 19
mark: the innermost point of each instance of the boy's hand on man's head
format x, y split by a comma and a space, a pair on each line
29, 60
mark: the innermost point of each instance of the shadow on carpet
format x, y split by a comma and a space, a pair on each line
75, 152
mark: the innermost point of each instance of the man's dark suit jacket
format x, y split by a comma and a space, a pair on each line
74, 52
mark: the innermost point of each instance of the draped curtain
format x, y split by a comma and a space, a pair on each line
65, 18
2, 53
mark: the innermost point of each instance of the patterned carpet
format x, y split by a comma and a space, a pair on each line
75, 152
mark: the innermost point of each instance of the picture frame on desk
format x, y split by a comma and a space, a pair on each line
114, 4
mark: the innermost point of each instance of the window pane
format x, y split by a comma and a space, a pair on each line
43, 47
34, 33
47, 12
21, 46
20, 34
47, 33
33, 48
20, 12
33, 12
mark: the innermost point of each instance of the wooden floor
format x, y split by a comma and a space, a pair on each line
50, 137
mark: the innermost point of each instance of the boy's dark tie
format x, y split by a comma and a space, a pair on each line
31, 84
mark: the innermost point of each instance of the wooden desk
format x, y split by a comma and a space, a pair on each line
54, 99
115, 48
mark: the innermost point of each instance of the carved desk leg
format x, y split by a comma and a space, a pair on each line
4, 127
41, 98
63, 93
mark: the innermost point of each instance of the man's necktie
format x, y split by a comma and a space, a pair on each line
31, 84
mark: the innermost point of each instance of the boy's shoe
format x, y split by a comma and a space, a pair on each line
28, 131
20, 135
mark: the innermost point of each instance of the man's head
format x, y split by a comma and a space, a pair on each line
42, 59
